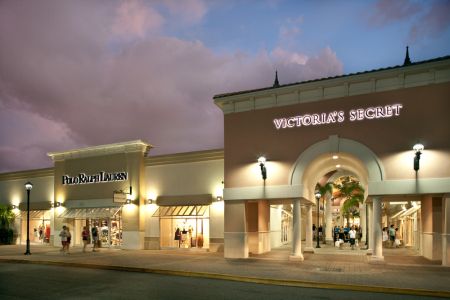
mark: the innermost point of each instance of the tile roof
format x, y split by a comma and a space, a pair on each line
332, 77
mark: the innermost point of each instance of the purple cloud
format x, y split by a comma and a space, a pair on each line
69, 79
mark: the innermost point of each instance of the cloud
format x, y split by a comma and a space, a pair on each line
387, 11
190, 11
135, 19
63, 87
431, 24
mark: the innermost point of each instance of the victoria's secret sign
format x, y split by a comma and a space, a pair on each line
359, 114
100, 177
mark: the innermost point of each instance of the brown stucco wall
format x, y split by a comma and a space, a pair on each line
425, 118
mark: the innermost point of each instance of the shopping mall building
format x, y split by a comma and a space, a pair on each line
360, 126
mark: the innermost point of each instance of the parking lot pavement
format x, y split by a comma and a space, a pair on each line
323, 269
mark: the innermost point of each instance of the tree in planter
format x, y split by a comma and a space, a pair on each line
353, 194
325, 189
6, 219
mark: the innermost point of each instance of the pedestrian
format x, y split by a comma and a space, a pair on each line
85, 237
385, 236
391, 236
94, 237
352, 235
63, 236
69, 238
397, 238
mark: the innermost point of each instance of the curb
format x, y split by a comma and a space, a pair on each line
248, 279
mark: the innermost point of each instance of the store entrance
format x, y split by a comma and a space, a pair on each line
107, 220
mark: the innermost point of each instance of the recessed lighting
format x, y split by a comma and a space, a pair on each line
335, 157
338, 166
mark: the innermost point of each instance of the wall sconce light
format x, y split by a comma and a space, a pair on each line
262, 165
58, 204
149, 201
128, 201
418, 148
14, 206
219, 198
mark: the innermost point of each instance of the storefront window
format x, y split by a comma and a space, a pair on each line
184, 226
39, 226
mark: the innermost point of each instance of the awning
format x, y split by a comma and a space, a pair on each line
405, 213
203, 199
83, 213
181, 211
34, 214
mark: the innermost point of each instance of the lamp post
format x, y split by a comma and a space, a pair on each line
318, 195
28, 186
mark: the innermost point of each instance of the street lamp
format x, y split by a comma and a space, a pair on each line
318, 195
28, 186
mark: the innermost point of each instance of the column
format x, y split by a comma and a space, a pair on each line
369, 224
377, 253
235, 235
297, 233
446, 231
329, 223
362, 214
309, 236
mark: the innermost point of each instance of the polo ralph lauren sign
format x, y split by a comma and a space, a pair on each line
100, 177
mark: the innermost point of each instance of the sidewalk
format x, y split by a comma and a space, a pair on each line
347, 270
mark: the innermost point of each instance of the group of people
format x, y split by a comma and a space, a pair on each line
391, 237
66, 237
352, 234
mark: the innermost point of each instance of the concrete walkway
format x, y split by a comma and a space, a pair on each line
402, 273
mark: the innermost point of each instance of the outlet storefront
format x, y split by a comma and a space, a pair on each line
355, 127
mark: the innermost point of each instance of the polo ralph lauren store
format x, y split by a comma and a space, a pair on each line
386, 130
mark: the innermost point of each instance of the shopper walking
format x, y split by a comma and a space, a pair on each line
69, 238
63, 236
85, 237
391, 236
352, 236
95, 238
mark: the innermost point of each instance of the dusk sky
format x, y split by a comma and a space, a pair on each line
84, 73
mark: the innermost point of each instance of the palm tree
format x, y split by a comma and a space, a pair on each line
353, 194
325, 189
6, 219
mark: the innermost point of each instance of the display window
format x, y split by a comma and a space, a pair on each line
184, 227
39, 226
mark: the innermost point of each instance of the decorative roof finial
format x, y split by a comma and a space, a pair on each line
276, 83
407, 60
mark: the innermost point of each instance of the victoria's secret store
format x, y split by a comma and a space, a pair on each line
261, 192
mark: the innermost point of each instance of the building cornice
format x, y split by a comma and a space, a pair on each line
388, 79
28, 174
124, 147
187, 157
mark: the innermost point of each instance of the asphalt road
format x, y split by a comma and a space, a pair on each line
27, 281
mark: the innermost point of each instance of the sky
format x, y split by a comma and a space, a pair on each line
93, 72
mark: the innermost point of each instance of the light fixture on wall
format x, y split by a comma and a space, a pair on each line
219, 198
58, 204
262, 165
14, 206
128, 201
318, 195
418, 148
149, 201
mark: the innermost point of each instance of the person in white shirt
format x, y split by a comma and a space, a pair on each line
352, 235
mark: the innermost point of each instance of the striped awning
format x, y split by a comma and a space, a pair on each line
34, 214
181, 211
83, 213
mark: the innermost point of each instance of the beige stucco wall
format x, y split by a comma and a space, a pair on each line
423, 118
